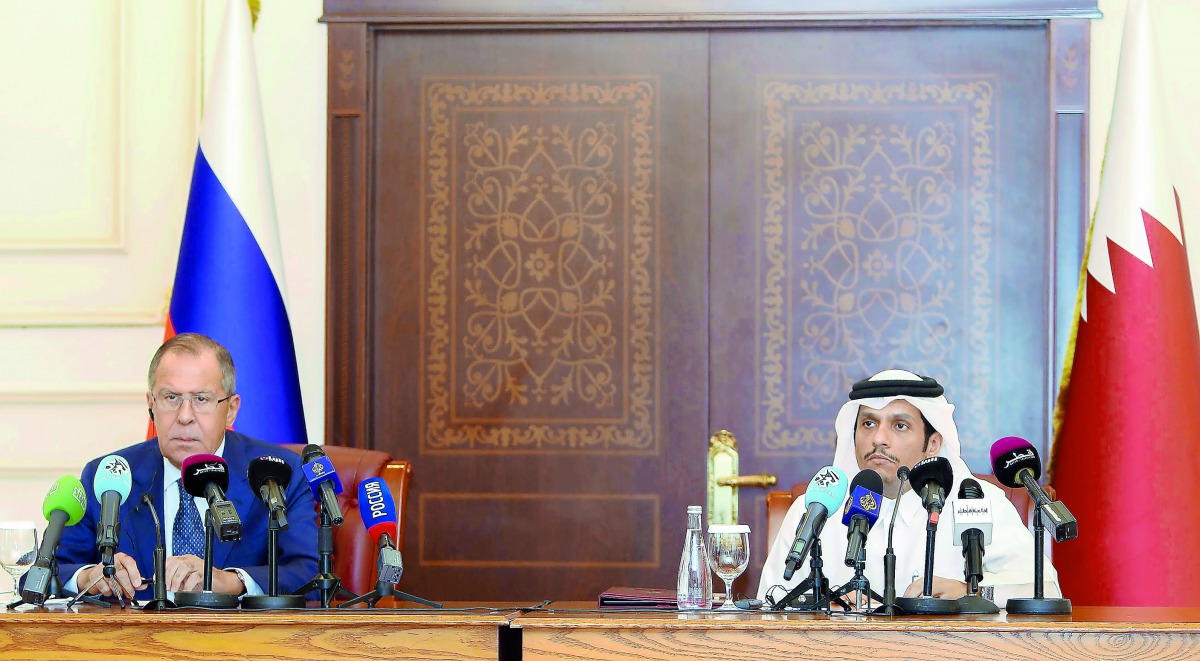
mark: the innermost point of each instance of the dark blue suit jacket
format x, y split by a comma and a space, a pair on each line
297, 545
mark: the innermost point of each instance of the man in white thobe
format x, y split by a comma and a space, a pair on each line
895, 419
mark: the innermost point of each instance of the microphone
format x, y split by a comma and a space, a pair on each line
323, 480
378, 511
110, 487
861, 513
931, 477
972, 529
889, 556
207, 476
63, 506
825, 492
265, 474
160, 601
1015, 462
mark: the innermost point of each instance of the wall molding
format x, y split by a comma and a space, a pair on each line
118, 393
114, 242
98, 318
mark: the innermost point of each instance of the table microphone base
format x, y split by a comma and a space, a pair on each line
205, 600
266, 601
928, 605
975, 604
1032, 606
159, 605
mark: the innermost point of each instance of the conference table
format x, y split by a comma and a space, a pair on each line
459, 631
575, 630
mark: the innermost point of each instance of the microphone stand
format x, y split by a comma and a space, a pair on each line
888, 607
385, 589
160, 601
56, 590
326, 581
816, 582
272, 599
207, 598
1039, 604
109, 574
927, 604
859, 585
972, 602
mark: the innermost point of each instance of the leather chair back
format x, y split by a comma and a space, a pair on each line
353, 551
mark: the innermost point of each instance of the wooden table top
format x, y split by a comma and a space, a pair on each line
389, 611
1084, 618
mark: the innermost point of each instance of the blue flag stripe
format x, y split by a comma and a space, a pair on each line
225, 289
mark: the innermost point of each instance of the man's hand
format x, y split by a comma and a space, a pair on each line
942, 587
185, 573
127, 574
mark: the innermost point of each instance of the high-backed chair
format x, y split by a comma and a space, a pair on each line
353, 551
780, 500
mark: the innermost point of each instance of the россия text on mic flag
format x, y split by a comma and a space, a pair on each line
229, 281
1125, 446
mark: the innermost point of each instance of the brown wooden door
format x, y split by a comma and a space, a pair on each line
878, 201
539, 327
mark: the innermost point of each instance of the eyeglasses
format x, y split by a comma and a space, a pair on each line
201, 403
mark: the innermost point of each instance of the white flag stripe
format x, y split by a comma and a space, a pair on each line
1135, 176
233, 138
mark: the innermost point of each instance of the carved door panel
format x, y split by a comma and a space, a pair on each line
879, 200
539, 338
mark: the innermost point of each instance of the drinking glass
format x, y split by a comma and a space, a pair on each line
18, 548
728, 555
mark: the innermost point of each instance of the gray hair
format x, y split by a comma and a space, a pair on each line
194, 344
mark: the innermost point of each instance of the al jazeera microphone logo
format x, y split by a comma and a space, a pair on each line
868, 502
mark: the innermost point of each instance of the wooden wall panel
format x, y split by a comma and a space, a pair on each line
513, 338
538, 299
348, 363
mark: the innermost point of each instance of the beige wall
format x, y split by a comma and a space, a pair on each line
98, 133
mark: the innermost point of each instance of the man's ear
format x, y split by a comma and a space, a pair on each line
935, 444
235, 403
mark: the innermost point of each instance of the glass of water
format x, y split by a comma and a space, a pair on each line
18, 548
728, 555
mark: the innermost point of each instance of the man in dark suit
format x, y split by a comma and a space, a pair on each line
193, 403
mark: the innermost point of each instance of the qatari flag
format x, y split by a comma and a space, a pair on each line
1125, 454
229, 279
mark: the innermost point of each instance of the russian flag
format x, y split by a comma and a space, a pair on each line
229, 281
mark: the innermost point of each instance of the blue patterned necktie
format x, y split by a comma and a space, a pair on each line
188, 535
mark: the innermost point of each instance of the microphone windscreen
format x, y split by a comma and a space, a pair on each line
320, 469
828, 487
268, 467
113, 474
65, 495
970, 489
378, 509
866, 497
1012, 454
311, 451
972, 510
867, 479
932, 469
201, 469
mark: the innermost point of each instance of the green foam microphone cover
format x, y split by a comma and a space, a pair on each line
66, 495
